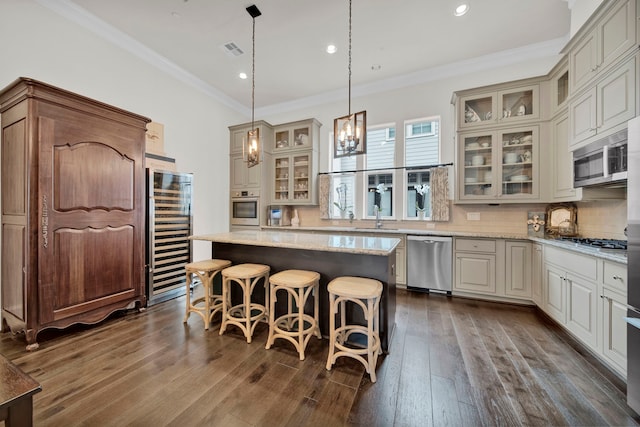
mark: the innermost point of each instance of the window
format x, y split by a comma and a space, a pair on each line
361, 192
418, 193
421, 148
343, 188
380, 155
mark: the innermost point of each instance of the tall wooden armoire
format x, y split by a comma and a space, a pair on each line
73, 208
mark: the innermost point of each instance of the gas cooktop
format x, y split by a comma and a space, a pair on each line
598, 243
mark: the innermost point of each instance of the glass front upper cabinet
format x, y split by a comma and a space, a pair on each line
293, 137
501, 107
499, 165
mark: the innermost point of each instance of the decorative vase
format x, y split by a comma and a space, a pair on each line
420, 215
295, 221
343, 213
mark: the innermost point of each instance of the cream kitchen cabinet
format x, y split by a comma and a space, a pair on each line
243, 177
294, 163
537, 263
498, 166
498, 105
571, 292
238, 134
293, 179
554, 295
604, 41
562, 162
613, 310
559, 85
475, 266
300, 135
518, 268
606, 107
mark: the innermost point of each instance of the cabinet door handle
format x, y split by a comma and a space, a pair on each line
615, 277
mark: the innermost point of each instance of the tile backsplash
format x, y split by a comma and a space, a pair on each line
604, 219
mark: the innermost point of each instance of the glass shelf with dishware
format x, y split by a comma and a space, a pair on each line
498, 106
498, 165
478, 164
292, 178
292, 137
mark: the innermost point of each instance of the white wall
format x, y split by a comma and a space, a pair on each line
581, 10
427, 99
39, 43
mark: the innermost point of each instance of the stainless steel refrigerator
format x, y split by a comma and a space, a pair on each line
633, 266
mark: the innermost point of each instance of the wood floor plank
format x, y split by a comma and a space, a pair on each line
452, 361
414, 389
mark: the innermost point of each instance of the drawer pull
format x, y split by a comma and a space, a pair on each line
616, 277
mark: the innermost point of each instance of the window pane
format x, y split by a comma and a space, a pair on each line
380, 148
342, 195
418, 193
422, 141
380, 194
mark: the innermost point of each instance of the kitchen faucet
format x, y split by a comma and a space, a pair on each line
378, 220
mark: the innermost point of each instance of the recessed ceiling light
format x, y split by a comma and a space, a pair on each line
461, 9
332, 48
243, 76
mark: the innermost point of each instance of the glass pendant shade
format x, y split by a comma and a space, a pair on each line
350, 135
251, 148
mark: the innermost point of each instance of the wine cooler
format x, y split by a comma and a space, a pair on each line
169, 224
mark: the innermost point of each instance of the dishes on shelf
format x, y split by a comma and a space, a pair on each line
477, 160
470, 115
470, 180
519, 178
511, 158
473, 145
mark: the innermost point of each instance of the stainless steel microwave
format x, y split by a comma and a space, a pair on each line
602, 162
245, 208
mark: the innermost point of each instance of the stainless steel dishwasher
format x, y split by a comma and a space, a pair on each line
429, 260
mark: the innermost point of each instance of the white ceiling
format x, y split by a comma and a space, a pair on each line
403, 37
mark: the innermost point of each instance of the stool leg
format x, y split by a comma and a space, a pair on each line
188, 297
300, 336
272, 310
247, 307
371, 362
207, 298
316, 309
332, 331
225, 304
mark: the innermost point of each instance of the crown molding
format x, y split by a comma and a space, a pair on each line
550, 48
80, 16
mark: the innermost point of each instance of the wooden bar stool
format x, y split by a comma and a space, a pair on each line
366, 294
210, 303
295, 325
247, 314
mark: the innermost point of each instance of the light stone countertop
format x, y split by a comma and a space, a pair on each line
308, 241
615, 255
608, 254
406, 231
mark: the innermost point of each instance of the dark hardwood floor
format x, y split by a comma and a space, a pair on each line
453, 361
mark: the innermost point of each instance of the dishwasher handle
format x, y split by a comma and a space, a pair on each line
429, 239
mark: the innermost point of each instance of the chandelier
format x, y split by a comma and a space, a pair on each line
252, 145
349, 132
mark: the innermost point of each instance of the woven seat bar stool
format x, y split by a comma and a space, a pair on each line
365, 293
210, 303
246, 314
295, 325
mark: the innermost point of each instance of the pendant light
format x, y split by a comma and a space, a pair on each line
252, 145
349, 132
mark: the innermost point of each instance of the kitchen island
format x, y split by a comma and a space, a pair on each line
330, 255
